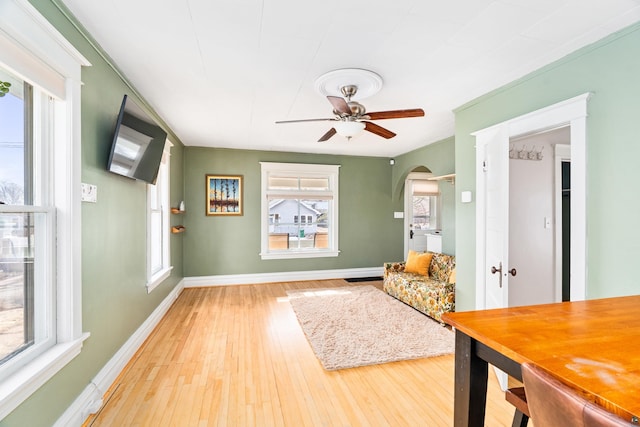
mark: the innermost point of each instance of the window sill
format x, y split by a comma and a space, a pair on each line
158, 278
300, 254
18, 387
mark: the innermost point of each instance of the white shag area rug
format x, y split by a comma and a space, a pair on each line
362, 325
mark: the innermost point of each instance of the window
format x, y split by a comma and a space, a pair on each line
158, 253
40, 246
425, 199
25, 222
304, 198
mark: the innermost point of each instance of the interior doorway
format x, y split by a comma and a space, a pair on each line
493, 269
422, 213
493, 208
535, 229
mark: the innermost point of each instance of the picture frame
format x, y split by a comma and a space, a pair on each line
224, 195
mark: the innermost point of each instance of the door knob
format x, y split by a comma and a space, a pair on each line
411, 234
495, 270
513, 272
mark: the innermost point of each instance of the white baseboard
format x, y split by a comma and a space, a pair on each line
289, 276
90, 400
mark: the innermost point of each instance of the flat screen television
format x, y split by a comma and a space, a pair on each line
138, 144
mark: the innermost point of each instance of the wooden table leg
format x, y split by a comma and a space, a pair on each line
471, 374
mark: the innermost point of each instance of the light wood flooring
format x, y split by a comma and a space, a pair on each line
236, 356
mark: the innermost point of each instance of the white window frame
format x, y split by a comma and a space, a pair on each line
32, 49
435, 197
301, 170
161, 190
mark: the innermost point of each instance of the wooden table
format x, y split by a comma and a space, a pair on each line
593, 346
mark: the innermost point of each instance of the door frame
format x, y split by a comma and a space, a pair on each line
572, 112
408, 199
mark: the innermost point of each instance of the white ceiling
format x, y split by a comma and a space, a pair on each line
221, 72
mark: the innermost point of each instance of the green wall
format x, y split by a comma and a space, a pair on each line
114, 297
231, 245
439, 158
610, 69
115, 302
370, 191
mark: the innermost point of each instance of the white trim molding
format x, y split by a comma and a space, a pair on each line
32, 49
332, 194
90, 400
572, 112
289, 276
19, 387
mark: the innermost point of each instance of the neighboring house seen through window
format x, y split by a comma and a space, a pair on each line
304, 199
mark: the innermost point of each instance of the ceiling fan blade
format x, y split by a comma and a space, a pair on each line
378, 130
339, 104
327, 135
396, 114
306, 120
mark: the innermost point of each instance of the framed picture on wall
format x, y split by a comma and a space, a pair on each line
224, 195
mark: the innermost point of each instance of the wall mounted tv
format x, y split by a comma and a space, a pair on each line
138, 144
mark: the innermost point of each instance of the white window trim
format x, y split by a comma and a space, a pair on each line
154, 280
333, 171
33, 49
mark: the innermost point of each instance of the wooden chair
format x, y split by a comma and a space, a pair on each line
321, 240
553, 403
517, 397
278, 241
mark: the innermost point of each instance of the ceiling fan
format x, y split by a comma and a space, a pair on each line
350, 117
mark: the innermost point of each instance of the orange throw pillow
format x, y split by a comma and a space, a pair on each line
418, 263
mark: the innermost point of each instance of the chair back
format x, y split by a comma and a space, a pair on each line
553, 404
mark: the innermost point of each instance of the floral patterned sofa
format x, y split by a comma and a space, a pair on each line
432, 294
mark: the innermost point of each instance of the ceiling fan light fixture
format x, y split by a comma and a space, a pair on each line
348, 128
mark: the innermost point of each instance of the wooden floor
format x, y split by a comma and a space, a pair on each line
236, 356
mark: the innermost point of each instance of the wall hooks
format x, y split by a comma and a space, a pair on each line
525, 154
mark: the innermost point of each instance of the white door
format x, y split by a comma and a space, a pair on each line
572, 112
492, 173
492, 186
418, 211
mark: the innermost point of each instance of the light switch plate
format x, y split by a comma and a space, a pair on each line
89, 193
398, 215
